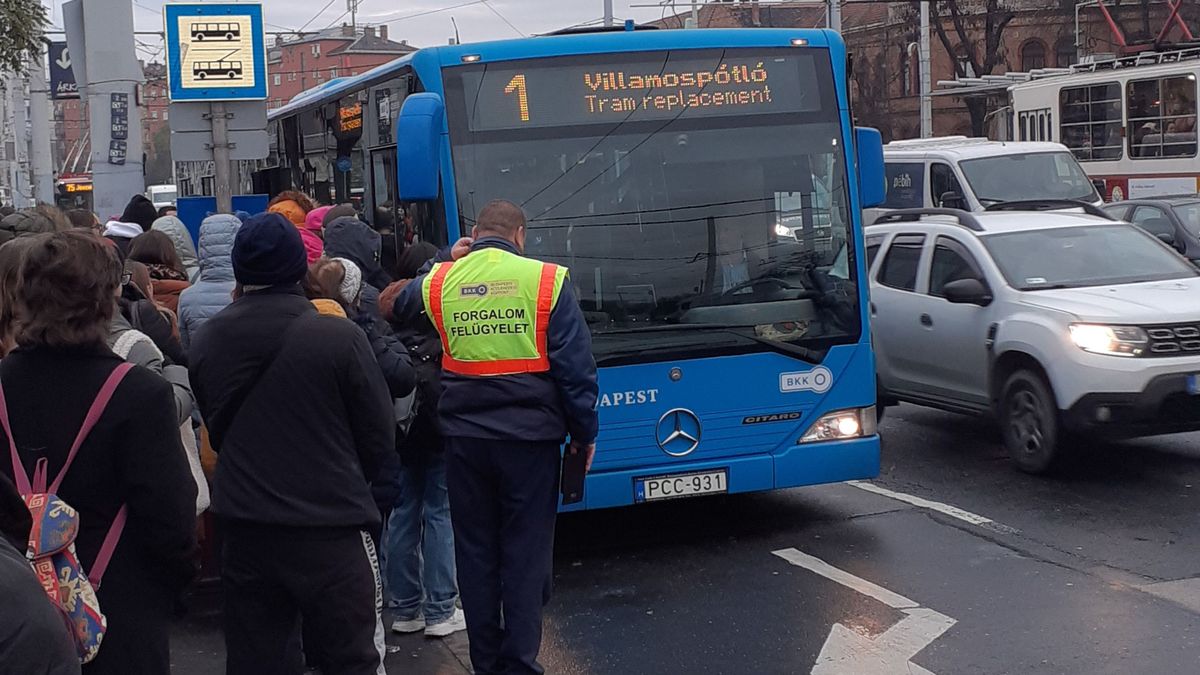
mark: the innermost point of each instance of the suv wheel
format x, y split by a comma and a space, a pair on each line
1029, 422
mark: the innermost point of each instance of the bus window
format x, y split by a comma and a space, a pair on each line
383, 188
1090, 120
385, 108
1162, 117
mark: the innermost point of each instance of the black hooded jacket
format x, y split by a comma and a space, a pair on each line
350, 238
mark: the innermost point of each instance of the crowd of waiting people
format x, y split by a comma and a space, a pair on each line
323, 538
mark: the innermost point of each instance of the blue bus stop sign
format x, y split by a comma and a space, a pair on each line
215, 52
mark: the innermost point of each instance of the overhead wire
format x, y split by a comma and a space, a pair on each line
315, 16
504, 18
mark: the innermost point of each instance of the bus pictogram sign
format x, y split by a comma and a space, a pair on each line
216, 52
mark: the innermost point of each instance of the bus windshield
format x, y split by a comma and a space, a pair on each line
1020, 176
693, 189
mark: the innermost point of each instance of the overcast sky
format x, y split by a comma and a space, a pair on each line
421, 22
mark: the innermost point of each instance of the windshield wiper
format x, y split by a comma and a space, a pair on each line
813, 356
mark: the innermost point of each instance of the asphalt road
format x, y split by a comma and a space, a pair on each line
951, 562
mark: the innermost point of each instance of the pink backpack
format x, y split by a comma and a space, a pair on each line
55, 525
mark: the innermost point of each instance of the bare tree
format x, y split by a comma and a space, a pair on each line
23, 21
979, 48
872, 86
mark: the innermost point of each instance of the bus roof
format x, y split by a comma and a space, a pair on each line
544, 46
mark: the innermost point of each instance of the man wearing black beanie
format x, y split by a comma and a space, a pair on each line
300, 415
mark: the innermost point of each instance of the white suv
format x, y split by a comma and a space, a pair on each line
1057, 323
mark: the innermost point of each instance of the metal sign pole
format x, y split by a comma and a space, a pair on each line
222, 183
926, 88
39, 113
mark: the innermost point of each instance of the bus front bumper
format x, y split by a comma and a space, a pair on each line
796, 466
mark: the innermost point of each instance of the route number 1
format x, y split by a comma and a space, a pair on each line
517, 85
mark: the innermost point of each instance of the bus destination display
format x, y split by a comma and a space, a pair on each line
541, 94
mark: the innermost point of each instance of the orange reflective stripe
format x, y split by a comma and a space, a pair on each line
503, 367
545, 302
538, 364
435, 302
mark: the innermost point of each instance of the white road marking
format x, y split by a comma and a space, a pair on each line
847, 652
1185, 592
947, 509
813, 564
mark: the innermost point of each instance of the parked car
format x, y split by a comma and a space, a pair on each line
1173, 219
973, 173
1057, 324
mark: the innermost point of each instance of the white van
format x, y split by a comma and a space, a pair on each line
161, 195
973, 173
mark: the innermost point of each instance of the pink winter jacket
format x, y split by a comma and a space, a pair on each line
310, 232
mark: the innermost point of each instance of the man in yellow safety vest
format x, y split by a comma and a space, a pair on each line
518, 378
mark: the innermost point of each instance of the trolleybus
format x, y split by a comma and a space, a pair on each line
1130, 121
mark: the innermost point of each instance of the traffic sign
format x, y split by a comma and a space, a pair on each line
215, 52
62, 78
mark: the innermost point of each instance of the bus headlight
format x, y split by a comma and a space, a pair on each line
841, 425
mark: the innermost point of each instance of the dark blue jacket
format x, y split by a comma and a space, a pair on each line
527, 407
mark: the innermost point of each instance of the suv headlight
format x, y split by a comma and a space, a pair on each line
841, 425
1111, 340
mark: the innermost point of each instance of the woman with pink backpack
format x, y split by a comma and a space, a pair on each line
84, 431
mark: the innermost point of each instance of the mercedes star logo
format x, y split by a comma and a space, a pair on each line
678, 432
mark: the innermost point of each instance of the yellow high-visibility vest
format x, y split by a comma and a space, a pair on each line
492, 311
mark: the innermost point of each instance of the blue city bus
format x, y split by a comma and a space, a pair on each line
704, 187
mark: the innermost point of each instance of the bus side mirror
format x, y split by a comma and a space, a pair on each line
418, 151
872, 184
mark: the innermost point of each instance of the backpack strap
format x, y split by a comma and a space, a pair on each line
93, 415
104, 556
19, 476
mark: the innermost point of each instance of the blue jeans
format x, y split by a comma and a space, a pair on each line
420, 545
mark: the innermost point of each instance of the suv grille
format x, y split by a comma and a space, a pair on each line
1173, 340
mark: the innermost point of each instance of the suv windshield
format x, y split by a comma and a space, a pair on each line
1016, 177
1077, 257
1189, 215
684, 190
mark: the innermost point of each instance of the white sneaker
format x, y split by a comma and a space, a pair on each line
409, 626
454, 623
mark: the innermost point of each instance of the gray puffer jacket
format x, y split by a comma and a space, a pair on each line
211, 292
182, 239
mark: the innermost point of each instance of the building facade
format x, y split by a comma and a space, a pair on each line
300, 64
968, 38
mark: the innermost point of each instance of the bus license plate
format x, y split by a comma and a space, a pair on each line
1194, 385
654, 488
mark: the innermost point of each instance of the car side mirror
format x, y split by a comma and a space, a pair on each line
952, 200
1169, 239
968, 291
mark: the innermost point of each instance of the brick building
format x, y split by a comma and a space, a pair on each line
72, 146
967, 38
296, 65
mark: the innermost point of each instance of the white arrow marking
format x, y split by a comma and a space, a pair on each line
64, 59
846, 652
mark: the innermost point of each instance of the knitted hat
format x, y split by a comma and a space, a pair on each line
352, 283
141, 211
267, 251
